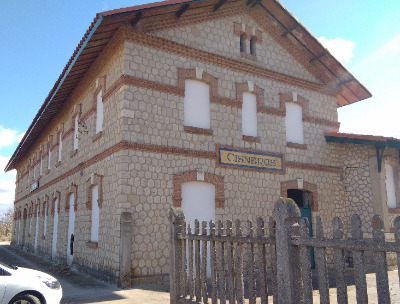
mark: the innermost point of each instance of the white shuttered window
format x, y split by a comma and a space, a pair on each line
197, 104
249, 115
294, 123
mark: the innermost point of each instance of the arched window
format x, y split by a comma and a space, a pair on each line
197, 104
390, 186
294, 123
249, 114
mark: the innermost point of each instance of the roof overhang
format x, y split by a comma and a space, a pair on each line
365, 140
379, 142
102, 29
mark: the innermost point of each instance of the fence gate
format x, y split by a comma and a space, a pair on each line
243, 262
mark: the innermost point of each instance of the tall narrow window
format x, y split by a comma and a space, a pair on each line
94, 236
36, 228
94, 203
294, 123
198, 202
41, 165
49, 159
55, 230
34, 173
44, 219
249, 114
242, 45
76, 134
197, 104
30, 221
390, 186
253, 45
99, 113
59, 147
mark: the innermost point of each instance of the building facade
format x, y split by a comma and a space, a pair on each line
219, 107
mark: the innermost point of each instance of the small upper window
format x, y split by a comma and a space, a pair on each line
197, 104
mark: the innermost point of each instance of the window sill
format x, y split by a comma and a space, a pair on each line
93, 245
296, 145
248, 56
196, 130
251, 138
73, 153
97, 136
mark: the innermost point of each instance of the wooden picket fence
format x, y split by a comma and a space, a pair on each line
238, 262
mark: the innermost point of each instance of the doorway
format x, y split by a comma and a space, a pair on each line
303, 200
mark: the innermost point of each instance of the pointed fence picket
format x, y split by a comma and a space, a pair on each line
239, 262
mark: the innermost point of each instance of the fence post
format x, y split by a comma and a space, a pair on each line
286, 215
176, 218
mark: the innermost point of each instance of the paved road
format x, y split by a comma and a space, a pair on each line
78, 288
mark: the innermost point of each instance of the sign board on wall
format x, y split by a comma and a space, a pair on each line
250, 159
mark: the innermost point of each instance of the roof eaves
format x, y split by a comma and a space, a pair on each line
366, 140
342, 83
95, 24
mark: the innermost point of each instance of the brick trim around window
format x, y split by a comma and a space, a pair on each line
216, 180
56, 195
72, 189
293, 184
94, 180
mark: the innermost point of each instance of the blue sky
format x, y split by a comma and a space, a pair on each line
38, 37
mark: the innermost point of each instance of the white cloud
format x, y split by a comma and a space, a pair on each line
341, 48
380, 73
9, 137
7, 185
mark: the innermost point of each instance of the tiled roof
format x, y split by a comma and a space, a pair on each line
370, 140
105, 24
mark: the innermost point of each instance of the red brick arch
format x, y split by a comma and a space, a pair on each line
191, 176
71, 189
307, 187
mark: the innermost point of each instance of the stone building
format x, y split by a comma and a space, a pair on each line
217, 106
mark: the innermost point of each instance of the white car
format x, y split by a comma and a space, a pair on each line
27, 286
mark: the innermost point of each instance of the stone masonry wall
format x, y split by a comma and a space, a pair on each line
219, 37
96, 154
